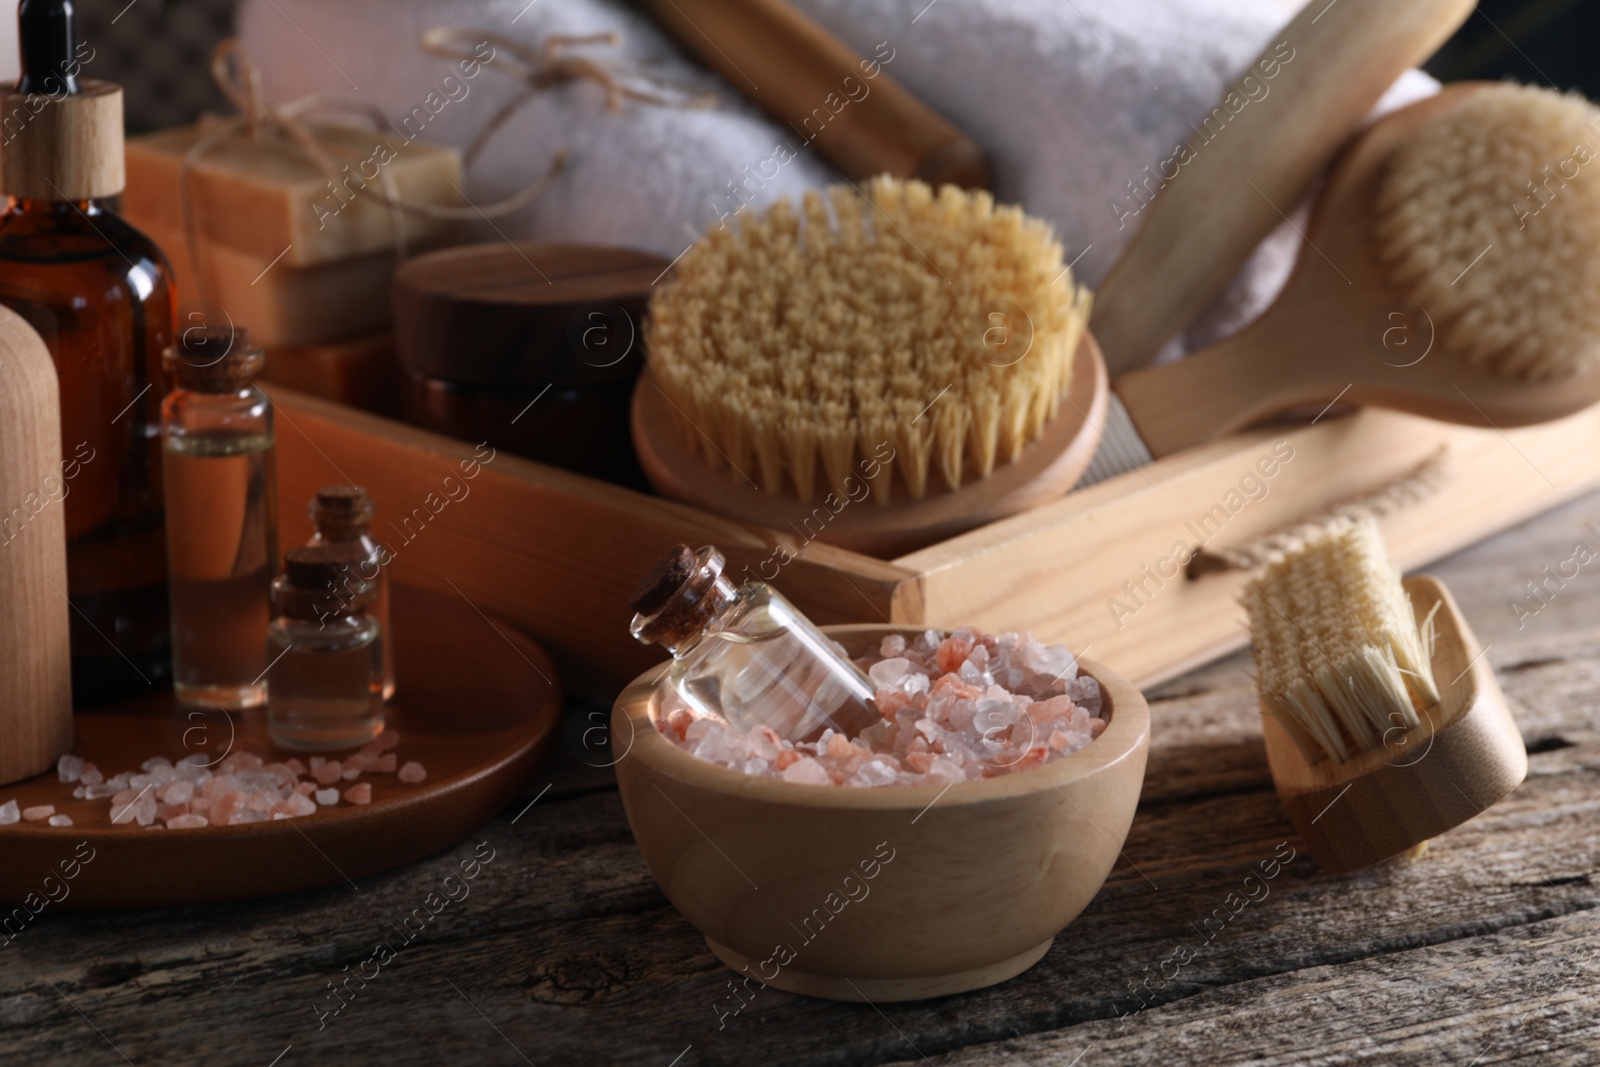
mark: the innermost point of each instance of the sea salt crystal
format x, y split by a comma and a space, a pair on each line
956, 707
328, 772
327, 797
413, 772
38, 813
361, 792
296, 766
9, 813
352, 773
300, 804
60, 820
177, 792
69, 768
385, 764
187, 822
90, 775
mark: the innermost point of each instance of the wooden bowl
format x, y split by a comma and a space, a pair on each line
1044, 471
893, 893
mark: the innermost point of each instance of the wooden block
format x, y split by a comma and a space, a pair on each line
281, 305
559, 553
266, 199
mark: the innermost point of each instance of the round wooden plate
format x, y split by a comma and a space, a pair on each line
1045, 470
476, 703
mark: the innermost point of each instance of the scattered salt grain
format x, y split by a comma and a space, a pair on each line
360, 793
327, 797
38, 813
187, 822
328, 773
385, 764
413, 772
60, 820
69, 768
91, 775
9, 813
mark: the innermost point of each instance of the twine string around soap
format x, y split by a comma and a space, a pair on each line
551, 65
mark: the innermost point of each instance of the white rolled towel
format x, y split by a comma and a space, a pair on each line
1071, 99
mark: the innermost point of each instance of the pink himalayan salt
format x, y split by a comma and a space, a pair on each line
305, 789
387, 740
360, 793
296, 766
956, 707
38, 813
328, 773
91, 775
385, 764
187, 822
413, 772
60, 820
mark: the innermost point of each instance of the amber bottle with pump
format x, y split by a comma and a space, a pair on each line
100, 295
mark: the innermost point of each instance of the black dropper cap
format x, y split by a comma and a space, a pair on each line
48, 35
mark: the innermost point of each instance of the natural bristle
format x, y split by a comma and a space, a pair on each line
1489, 218
803, 346
1339, 657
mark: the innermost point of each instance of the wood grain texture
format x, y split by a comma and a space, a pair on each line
565, 952
35, 658
65, 147
1280, 125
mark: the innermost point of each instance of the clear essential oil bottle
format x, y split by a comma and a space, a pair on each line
325, 685
343, 517
745, 653
100, 294
222, 518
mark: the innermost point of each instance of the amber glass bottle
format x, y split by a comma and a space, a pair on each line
100, 294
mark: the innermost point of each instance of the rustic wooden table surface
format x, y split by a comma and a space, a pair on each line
1487, 950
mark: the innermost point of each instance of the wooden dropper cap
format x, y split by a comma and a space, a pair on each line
63, 134
35, 657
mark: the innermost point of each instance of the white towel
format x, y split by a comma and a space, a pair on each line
1071, 99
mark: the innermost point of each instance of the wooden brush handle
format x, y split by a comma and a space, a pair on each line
858, 117
1244, 174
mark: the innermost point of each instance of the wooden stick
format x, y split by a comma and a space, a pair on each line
1244, 171
35, 661
803, 76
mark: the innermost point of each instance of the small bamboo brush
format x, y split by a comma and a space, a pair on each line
1383, 723
937, 325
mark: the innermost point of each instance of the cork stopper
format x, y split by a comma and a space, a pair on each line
680, 598
663, 580
319, 582
210, 359
342, 511
64, 132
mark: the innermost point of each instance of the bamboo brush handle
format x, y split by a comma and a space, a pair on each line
797, 72
1236, 187
35, 661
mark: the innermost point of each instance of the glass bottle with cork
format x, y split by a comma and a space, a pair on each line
745, 653
342, 515
100, 294
222, 517
325, 682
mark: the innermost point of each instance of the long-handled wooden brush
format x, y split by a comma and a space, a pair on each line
1451, 269
1384, 725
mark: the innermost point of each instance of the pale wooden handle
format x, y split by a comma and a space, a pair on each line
1244, 173
796, 71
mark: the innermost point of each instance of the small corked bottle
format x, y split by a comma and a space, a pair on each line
100, 294
342, 515
325, 682
745, 653
222, 517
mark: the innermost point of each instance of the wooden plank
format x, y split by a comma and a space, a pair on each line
568, 950
1102, 567
553, 551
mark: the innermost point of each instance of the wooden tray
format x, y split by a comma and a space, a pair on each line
558, 553
476, 702
1045, 470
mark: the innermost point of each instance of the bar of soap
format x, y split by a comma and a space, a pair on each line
281, 304
265, 198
